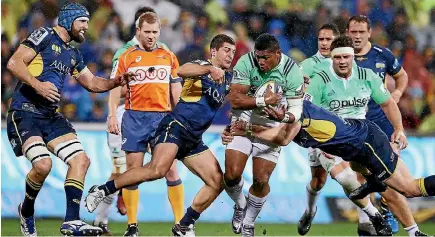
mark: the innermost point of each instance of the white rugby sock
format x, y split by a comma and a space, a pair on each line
370, 210
254, 207
103, 209
412, 229
312, 197
363, 217
236, 194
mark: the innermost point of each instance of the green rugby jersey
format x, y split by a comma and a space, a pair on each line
308, 65
287, 74
347, 98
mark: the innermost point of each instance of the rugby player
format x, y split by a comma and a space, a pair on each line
356, 140
116, 112
266, 63
382, 62
41, 63
345, 89
321, 164
179, 135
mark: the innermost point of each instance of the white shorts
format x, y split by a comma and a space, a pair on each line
115, 141
319, 158
256, 147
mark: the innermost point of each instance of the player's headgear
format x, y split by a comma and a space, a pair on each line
71, 12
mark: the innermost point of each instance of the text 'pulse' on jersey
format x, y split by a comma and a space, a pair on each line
201, 98
54, 61
381, 61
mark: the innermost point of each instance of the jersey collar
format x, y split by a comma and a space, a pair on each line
319, 55
280, 63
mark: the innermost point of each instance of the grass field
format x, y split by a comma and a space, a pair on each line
49, 227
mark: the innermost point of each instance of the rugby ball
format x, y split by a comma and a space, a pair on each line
274, 87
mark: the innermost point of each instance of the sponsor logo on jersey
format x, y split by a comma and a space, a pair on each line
355, 102
380, 65
56, 49
59, 65
361, 58
331, 93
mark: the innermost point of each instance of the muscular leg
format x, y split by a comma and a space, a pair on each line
262, 170
78, 164
235, 162
37, 175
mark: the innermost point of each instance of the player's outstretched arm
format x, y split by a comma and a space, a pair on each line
17, 65
96, 84
189, 70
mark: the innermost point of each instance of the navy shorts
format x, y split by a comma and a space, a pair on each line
377, 154
385, 125
172, 131
138, 127
22, 124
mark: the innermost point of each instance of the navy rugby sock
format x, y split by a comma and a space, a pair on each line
190, 217
73, 192
427, 186
32, 190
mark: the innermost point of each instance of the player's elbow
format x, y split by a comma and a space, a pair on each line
11, 64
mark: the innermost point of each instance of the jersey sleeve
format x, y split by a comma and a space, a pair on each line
174, 69
392, 64
38, 39
314, 90
295, 83
119, 66
79, 66
380, 93
307, 67
241, 72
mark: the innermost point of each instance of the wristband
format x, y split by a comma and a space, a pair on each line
259, 101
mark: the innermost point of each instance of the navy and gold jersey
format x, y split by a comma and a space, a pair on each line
201, 98
54, 61
329, 132
381, 61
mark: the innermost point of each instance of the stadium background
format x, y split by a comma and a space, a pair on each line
406, 27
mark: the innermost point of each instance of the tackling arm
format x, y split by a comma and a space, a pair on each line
393, 114
193, 70
96, 84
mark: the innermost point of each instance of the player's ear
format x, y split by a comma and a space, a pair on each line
213, 53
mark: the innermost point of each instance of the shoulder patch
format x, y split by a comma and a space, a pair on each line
377, 48
38, 35
324, 76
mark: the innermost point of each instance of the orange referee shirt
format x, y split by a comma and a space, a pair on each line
155, 69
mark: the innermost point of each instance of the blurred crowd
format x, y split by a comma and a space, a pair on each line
406, 27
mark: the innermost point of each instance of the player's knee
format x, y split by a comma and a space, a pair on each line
411, 191
172, 174
80, 162
317, 183
260, 182
42, 167
217, 181
347, 179
232, 174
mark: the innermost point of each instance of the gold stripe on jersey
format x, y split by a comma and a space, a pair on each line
192, 90
321, 130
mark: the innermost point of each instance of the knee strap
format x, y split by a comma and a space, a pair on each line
68, 150
36, 151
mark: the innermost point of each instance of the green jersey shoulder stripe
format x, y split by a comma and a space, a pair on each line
251, 59
324, 76
289, 66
